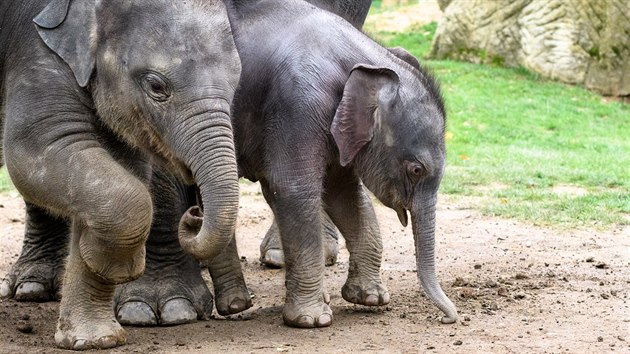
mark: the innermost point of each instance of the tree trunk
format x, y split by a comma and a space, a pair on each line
584, 42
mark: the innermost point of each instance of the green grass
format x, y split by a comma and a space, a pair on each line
515, 139
5, 181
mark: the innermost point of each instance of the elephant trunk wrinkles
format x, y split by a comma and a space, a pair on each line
423, 223
212, 161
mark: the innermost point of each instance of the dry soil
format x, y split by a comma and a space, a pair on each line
519, 288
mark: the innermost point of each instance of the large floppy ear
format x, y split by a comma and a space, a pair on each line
368, 90
401, 53
68, 28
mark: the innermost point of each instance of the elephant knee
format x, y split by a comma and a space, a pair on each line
112, 237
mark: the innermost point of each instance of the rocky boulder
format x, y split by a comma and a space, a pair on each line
584, 42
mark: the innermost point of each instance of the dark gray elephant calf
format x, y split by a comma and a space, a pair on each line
271, 254
321, 107
86, 90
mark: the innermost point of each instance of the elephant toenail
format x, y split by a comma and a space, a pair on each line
5, 289
324, 320
136, 313
238, 305
31, 291
178, 311
371, 300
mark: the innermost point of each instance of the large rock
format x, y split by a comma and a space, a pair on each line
583, 42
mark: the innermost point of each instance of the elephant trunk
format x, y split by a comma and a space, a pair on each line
423, 223
212, 161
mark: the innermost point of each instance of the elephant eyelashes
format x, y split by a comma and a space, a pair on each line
155, 86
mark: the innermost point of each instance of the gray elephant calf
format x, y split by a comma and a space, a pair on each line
271, 253
321, 107
85, 91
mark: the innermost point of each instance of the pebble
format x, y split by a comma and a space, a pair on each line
25, 327
458, 342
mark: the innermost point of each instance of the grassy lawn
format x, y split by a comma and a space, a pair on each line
531, 149
527, 148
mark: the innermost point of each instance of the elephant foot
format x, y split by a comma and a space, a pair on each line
36, 281
331, 248
232, 298
273, 258
307, 316
165, 296
314, 315
91, 332
272, 255
365, 292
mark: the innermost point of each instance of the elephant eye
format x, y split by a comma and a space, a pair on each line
155, 86
415, 170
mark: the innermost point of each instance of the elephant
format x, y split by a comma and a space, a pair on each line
37, 274
100, 110
320, 112
271, 254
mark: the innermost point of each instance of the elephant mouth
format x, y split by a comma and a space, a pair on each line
184, 172
177, 166
403, 217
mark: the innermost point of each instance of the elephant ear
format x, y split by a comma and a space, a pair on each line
68, 29
405, 56
367, 90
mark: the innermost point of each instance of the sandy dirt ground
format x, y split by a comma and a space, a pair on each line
518, 288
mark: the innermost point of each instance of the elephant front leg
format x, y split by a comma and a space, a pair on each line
230, 290
351, 210
111, 211
86, 319
38, 273
298, 216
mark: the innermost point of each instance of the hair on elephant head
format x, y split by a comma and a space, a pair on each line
162, 77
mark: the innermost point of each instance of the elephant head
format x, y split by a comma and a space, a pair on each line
390, 126
162, 77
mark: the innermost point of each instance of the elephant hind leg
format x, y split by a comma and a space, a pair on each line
37, 274
350, 208
272, 254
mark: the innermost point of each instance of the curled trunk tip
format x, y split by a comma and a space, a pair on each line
200, 239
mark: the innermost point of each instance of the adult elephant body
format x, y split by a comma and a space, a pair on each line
321, 107
87, 91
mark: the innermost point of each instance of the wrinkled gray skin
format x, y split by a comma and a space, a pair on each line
271, 254
87, 91
321, 107
181, 296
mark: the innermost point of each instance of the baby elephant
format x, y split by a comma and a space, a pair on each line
87, 90
321, 109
